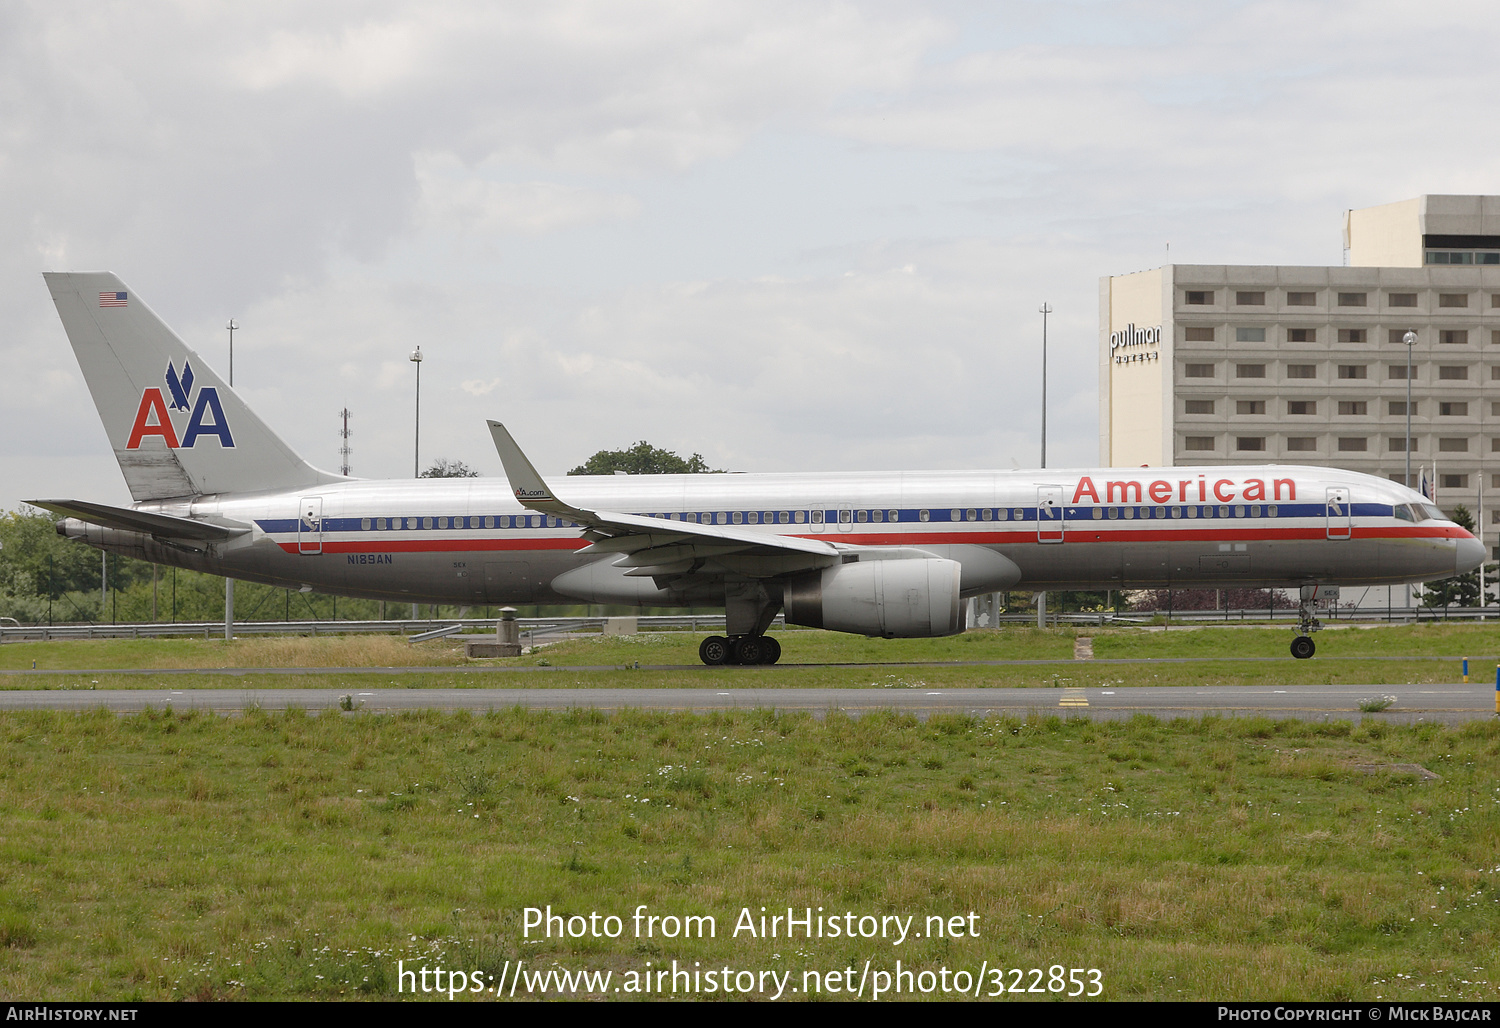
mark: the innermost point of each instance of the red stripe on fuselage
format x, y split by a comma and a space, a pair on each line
1074, 534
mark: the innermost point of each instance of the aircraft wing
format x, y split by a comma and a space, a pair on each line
162, 526
657, 546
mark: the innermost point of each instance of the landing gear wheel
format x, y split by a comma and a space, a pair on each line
750, 649
772, 650
714, 650
1303, 647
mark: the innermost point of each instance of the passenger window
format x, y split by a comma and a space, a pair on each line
1271, 511
972, 514
924, 515
426, 522
739, 519
1239, 510
877, 515
489, 521
1192, 512
800, 516
1223, 512
955, 515
1020, 514
364, 523
1114, 513
987, 514
1177, 512
817, 517
442, 522
380, 524
895, 515
783, 518
536, 521
862, 516
845, 517
1161, 512
1098, 513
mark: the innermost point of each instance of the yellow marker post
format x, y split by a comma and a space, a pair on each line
1497, 688
1466, 671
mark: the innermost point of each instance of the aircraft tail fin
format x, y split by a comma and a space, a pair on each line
176, 428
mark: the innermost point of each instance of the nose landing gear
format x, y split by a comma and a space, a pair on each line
1303, 647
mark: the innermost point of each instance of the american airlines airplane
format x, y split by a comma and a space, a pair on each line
879, 554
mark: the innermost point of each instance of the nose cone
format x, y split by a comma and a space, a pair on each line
1469, 555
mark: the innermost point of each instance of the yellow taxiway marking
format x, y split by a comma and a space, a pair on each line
1073, 698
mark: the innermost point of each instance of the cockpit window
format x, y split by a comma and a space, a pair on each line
1433, 512
1403, 512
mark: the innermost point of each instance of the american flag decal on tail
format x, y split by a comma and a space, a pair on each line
113, 300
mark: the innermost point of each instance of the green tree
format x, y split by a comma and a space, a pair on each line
643, 459
1460, 591
445, 468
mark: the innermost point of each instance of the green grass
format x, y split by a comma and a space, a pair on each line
800, 646
182, 855
810, 659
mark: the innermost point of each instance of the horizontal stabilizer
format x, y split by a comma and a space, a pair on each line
162, 526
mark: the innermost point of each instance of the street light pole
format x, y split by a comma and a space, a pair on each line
1410, 340
416, 462
229, 582
416, 458
1044, 309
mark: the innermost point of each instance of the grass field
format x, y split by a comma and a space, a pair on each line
1373, 656
182, 855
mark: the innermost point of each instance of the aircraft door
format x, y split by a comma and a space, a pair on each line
846, 520
1051, 518
310, 525
1340, 514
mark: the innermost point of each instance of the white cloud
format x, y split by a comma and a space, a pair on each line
454, 200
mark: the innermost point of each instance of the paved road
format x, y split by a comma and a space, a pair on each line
1450, 704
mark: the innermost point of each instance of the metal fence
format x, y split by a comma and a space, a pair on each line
534, 628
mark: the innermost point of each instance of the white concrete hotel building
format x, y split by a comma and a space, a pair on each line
1225, 364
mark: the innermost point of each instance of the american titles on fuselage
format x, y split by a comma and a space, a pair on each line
1129, 337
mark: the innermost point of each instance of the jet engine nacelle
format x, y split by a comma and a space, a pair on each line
912, 599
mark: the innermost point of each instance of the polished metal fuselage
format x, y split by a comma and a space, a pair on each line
467, 541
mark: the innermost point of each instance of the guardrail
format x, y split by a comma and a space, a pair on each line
532, 628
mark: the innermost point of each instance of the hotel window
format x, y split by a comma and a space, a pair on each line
1397, 443
1352, 300
1301, 443
1454, 481
1351, 371
1453, 335
1495, 373
1198, 442
1453, 445
1301, 371
1352, 335
1453, 299
1302, 406
1198, 371
1399, 407
1302, 335
1199, 334
1250, 442
1352, 444
1495, 299
1200, 297
1353, 407
1301, 299
1453, 409
1401, 299
1199, 407
1249, 335
1453, 372
1495, 336
1253, 298
1495, 408
1250, 407
1401, 371
1249, 371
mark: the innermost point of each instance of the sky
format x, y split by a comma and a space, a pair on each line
800, 236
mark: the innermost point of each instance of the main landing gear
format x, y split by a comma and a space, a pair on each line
1303, 647
740, 649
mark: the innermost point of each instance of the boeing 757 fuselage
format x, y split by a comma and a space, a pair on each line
887, 554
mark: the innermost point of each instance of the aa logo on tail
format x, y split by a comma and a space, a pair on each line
154, 418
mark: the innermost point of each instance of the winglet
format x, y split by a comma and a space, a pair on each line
527, 486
